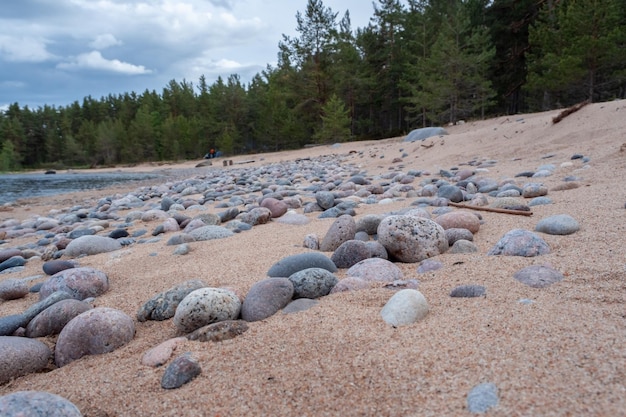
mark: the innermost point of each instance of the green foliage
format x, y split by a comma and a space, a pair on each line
8, 157
335, 122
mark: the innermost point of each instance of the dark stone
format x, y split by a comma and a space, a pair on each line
468, 291
181, 371
12, 262
57, 265
294, 263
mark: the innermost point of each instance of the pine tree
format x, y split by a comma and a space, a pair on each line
335, 122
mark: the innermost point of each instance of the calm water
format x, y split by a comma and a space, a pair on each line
15, 186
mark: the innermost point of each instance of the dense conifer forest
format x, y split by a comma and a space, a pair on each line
426, 63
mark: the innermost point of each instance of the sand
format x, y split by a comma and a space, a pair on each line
562, 355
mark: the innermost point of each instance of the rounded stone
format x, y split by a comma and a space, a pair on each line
265, 298
519, 242
350, 253
411, 239
210, 232
560, 224
450, 192
312, 283
36, 403
276, 207
538, 276
91, 245
80, 283
405, 307
468, 291
325, 199
459, 220
350, 284
96, 331
369, 223
52, 320
463, 246
21, 356
455, 234
294, 263
182, 370
163, 305
12, 289
57, 265
342, 230
376, 270
205, 306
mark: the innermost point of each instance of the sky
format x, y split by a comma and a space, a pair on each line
56, 52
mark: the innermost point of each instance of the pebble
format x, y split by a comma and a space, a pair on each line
36, 404
91, 245
455, 234
411, 239
342, 230
9, 324
218, 332
560, 224
350, 284
276, 207
459, 220
57, 265
163, 305
160, 354
21, 356
519, 242
482, 397
52, 320
468, 291
12, 289
180, 371
463, 246
429, 265
312, 283
376, 270
266, 297
96, 331
534, 190
350, 253
450, 192
538, 276
9, 253
205, 306
210, 232
80, 283
369, 223
405, 307
294, 263
301, 304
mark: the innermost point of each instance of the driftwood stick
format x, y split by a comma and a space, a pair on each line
494, 210
569, 111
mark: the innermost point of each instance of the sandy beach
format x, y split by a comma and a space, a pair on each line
563, 354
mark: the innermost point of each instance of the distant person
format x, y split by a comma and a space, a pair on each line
212, 153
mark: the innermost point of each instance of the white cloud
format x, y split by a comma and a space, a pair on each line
105, 41
12, 84
23, 49
95, 60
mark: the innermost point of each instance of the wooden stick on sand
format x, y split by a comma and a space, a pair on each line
494, 210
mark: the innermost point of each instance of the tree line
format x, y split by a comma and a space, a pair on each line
423, 63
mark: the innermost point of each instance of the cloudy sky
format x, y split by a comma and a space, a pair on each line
58, 51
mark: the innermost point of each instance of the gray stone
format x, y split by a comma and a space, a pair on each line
266, 297
294, 263
411, 239
350, 284
538, 276
405, 307
9, 324
163, 305
325, 199
482, 397
57, 265
91, 245
463, 246
36, 404
534, 190
369, 223
519, 242
450, 192
96, 331
301, 304
429, 265
21, 356
312, 283
424, 133
210, 232
52, 320
12, 262
342, 230
218, 332
350, 253
468, 291
182, 370
455, 234
560, 224
80, 283
12, 289
375, 270
205, 306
